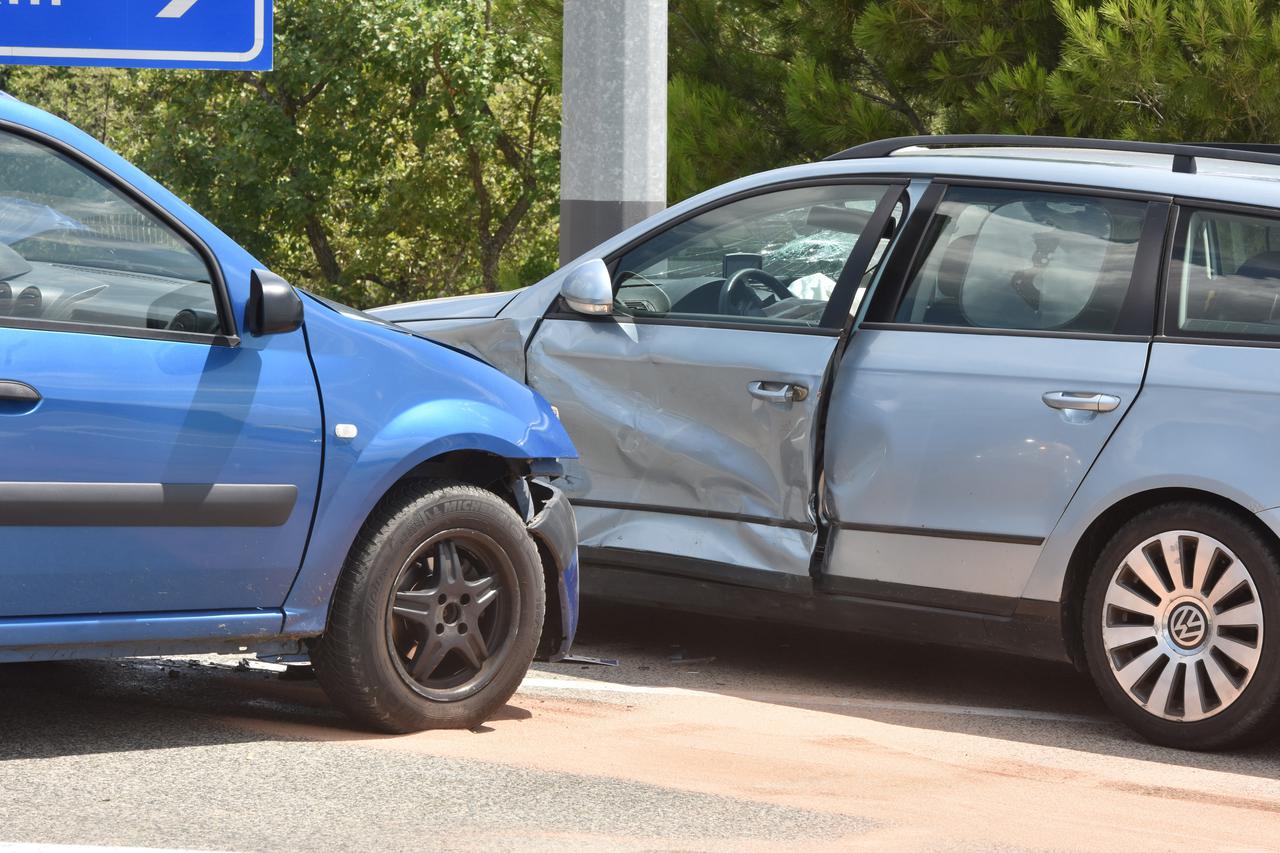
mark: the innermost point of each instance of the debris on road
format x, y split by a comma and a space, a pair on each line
590, 660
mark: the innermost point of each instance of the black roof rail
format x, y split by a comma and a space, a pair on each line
1258, 147
1184, 155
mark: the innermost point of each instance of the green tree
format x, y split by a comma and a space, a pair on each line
94, 99
405, 149
400, 149
760, 83
484, 89
1192, 70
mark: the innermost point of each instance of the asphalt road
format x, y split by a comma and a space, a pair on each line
709, 735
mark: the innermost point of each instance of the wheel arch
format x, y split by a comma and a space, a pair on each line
307, 611
1088, 548
498, 474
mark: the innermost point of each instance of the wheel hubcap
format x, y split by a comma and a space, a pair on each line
1182, 626
451, 614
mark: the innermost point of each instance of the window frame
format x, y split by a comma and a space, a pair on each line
893, 184
1141, 303
1168, 331
229, 337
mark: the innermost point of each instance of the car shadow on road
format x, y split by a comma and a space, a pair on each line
50, 710
60, 709
80, 708
944, 689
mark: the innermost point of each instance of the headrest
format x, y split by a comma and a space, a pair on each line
1261, 265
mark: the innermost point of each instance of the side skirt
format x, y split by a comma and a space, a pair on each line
1030, 628
41, 638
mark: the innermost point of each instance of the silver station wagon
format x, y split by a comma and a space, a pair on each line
1006, 392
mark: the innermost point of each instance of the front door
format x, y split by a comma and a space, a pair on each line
149, 460
972, 404
695, 406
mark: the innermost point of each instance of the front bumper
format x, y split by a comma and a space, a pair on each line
555, 529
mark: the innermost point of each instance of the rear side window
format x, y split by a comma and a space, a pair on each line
74, 249
1225, 276
1036, 261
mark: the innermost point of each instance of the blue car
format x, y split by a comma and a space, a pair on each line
199, 458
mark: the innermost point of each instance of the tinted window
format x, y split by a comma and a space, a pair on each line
74, 249
1225, 278
772, 258
1007, 259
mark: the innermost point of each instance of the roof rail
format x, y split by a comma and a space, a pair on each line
1184, 155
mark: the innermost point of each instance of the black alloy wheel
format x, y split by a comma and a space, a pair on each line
452, 614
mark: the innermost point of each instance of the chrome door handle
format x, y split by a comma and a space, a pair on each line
778, 392
1084, 401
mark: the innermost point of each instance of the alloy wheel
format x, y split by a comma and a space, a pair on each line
1182, 625
452, 614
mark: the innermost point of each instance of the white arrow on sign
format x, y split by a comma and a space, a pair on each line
176, 8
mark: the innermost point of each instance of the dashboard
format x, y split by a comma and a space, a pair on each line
79, 294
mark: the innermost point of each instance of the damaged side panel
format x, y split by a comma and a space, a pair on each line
554, 528
500, 340
678, 457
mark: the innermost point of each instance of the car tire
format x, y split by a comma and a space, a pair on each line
437, 613
1197, 587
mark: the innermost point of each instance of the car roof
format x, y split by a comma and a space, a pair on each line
1222, 180
1184, 156
1215, 171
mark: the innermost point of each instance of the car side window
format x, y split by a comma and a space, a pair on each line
1225, 276
74, 249
1023, 260
770, 259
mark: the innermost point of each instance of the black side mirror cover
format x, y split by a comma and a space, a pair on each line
274, 307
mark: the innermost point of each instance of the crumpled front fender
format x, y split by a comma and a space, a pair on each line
555, 529
409, 402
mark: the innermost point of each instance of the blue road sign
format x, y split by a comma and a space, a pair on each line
137, 33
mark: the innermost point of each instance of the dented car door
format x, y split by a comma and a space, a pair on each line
695, 403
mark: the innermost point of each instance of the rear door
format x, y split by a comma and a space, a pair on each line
973, 401
695, 406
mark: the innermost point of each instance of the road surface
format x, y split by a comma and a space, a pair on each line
708, 735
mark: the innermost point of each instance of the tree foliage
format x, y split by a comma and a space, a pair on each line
399, 149
409, 148
1180, 71
777, 81
759, 83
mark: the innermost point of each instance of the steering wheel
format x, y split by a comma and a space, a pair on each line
737, 297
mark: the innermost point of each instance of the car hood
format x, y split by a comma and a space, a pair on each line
476, 307
355, 315
366, 365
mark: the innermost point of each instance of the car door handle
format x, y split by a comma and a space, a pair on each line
778, 392
12, 391
1084, 401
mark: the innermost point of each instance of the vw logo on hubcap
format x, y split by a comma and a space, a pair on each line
1188, 625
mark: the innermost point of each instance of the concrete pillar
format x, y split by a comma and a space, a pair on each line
614, 138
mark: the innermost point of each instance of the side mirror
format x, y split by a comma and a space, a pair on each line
588, 289
274, 306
